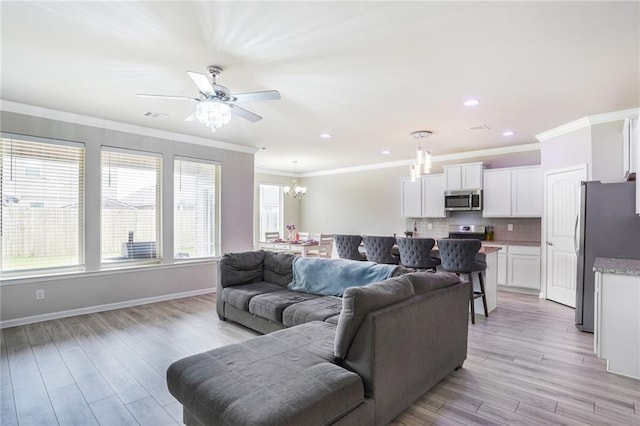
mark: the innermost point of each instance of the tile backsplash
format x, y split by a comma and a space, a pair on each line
524, 229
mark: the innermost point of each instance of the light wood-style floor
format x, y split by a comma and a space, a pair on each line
527, 364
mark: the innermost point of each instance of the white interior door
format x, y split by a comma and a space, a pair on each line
563, 203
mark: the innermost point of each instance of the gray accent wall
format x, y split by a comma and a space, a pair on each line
94, 288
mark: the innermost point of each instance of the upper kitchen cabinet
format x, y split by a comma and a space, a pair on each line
433, 196
463, 176
422, 198
513, 192
410, 198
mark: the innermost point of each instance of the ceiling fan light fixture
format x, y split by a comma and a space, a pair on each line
213, 114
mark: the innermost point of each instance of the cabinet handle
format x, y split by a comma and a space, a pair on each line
549, 243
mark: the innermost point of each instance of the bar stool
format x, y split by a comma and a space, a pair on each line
416, 253
379, 248
459, 256
348, 246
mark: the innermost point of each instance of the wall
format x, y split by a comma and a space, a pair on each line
82, 291
607, 152
364, 202
569, 149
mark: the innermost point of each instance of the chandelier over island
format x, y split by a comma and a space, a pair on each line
422, 165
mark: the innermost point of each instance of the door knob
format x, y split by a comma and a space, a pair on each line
549, 243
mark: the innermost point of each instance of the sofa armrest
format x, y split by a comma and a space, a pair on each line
403, 350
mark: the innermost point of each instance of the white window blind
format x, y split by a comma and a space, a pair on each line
130, 205
271, 217
196, 218
42, 203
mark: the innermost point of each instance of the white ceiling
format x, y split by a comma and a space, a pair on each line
369, 73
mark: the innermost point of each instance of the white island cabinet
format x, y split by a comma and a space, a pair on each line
617, 315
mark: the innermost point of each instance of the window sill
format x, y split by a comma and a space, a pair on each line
42, 276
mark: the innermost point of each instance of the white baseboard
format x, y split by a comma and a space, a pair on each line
100, 308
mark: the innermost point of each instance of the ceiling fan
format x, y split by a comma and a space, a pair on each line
215, 103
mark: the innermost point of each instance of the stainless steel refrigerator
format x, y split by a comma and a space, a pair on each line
609, 227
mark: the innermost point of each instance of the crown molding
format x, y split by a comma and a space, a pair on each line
586, 122
68, 117
458, 156
275, 172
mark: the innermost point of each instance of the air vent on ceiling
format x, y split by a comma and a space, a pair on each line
151, 114
479, 127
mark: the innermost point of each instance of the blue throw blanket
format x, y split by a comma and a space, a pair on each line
331, 277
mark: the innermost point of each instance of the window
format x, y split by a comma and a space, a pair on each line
130, 205
196, 220
42, 203
271, 217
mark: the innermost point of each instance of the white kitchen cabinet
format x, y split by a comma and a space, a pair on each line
410, 198
463, 176
433, 196
513, 192
617, 322
496, 197
523, 268
526, 192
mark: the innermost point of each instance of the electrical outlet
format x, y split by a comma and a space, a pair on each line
39, 294
430, 226
510, 227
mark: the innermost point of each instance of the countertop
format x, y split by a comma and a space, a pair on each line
512, 243
611, 265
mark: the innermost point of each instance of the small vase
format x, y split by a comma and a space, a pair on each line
290, 236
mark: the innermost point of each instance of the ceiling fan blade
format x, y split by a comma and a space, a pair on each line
203, 83
191, 117
267, 95
241, 112
186, 98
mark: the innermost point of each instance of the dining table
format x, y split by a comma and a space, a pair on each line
304, 248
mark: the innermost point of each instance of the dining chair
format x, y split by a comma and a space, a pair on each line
271, 236
416, 253
378, 249
459, 256
348, 246
303, 236
324, 248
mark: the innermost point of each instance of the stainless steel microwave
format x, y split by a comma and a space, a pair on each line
463, 200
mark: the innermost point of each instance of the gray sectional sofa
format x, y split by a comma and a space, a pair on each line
359, 359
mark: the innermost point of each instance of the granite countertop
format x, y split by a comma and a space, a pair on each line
488, 250
512, 243
617, 266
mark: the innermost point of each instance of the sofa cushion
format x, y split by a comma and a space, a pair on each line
330, 277
357, 302
271, 305
278, 268
240, 295
426, 281
241, 268
333, 320
267, 380
318, 309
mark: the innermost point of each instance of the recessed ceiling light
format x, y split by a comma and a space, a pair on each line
471, 102
507, 133
325, 135
385, 152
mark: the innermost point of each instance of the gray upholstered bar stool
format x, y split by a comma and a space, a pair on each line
379, 249
459, 256
416, 253
348, 246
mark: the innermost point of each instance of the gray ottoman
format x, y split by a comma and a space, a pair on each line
283, 378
